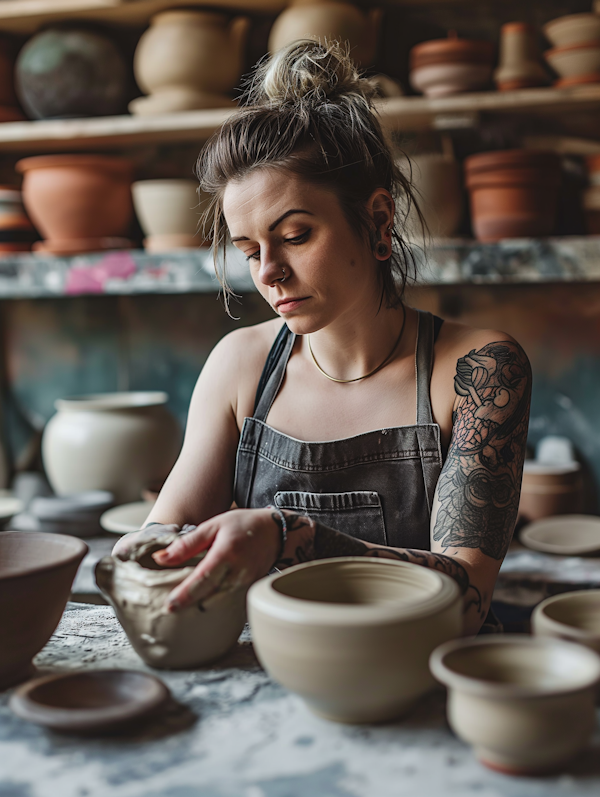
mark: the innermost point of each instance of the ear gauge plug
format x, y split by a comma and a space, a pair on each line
381, 249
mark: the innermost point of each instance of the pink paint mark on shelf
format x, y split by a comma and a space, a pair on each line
93, 279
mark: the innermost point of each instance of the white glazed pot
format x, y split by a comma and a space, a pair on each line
328, 20
187, 638
525, 704
120, 442
572, 615
352, 636
437, 181
188, 60
169, 212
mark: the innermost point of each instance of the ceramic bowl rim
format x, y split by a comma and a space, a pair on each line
263, 597
112, 163
115, 400
23, 704
165, 182
80, 549
555, 548
497, 691
567, 19
574, 631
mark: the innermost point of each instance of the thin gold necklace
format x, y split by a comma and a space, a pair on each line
374, 371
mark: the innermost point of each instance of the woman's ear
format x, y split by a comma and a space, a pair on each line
381, 208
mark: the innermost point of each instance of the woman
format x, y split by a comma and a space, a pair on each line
351, 424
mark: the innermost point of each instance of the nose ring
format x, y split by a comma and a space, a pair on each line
282, 279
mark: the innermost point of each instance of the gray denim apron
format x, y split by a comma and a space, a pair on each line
377, 486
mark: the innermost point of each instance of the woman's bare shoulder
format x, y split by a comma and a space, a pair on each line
458, 340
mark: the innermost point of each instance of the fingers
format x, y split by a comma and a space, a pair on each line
200, 585
187, 545
130, 544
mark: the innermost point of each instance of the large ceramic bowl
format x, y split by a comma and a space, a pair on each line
36, 573
352, 636
573, 615
525, 704
573, 29
575, 60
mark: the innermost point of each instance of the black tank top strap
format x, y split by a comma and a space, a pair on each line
424, 364
273, 373
437, 325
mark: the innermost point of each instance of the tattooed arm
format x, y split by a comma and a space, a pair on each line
477, 496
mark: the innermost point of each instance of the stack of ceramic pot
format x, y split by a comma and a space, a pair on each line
16, 231
437, 185
513, 193
442, 67
79, 203
188, 60
519, 66
71, 71
575, 56
328, 20
591, 196
169, 212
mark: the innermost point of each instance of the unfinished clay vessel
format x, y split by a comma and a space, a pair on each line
573, 615
188, 638
169, 212
513, 193
36, 573
442, 67
519, 66
188, 60
118, 442
525, 704
78, 198
352, 636
328, 20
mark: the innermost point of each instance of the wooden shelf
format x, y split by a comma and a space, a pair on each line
26, 16
402, 114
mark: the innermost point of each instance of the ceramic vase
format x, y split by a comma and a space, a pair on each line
16, 231
67, 72
119, 442
36, 574
188, 60
519, 66
188, 638
79, 203
549, 490
169, 212
436, 180
352, 636
442, 67
513, 193
328, 20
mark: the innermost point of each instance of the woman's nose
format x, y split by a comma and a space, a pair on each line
271, 269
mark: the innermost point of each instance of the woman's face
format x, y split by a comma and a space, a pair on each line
283, 224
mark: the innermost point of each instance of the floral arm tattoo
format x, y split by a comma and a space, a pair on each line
478, 489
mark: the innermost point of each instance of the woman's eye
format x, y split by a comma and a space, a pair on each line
254, 255
298, 239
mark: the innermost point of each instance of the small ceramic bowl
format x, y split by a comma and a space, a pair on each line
575, 60
84, 702
572, 615
573, 29
352, 636
36, 573
527, 705
443, 80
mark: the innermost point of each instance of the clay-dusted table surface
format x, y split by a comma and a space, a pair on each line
235, 733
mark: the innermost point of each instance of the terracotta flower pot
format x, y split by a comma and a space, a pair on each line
513, 193
169, 212
573, 29
576, 61
442, 67
118, 442
519, 66
36, 574
436, 179
188, 60
331, 20
549, 490
78, 202
68, 72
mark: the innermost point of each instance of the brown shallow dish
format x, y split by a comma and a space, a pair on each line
36, 573
83, 702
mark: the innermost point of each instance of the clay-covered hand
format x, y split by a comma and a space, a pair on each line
138, 544
242, 546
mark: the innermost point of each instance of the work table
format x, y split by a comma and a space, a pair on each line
232, 732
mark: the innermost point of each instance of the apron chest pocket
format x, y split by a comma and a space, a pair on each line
357, 513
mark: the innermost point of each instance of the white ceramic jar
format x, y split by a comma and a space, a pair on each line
188, 60
120, 442
169, 212
352, 635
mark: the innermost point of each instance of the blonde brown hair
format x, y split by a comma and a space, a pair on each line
307, 110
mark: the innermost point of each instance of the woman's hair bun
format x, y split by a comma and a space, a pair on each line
307, 72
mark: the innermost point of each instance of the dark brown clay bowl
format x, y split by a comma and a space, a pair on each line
87, 702
36, 574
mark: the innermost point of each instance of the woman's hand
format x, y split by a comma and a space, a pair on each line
242, 545
155, 535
